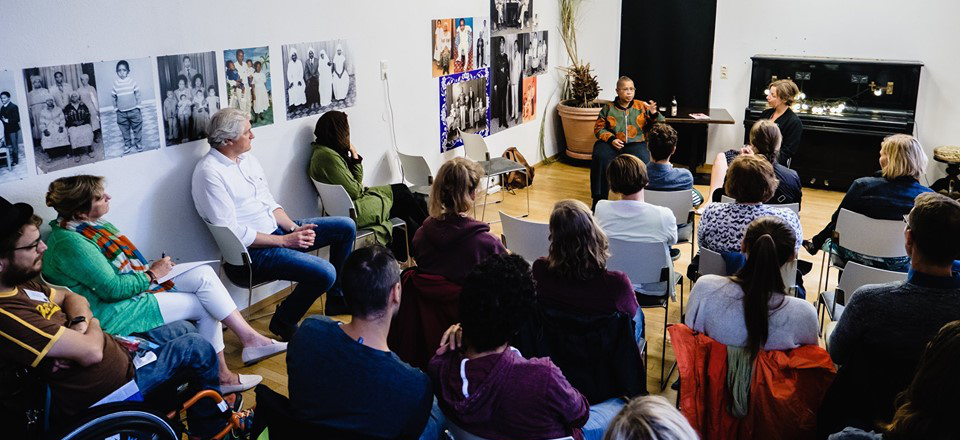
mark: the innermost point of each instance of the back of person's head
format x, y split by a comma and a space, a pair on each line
787, 90
934, 225
333, 130
750, 179
905, 157
454, 188
661, 141
768, 243
227, 125
649, 418
496, 299
367, 278
578, 247
74, 195
928, 408
765, 137
627, 174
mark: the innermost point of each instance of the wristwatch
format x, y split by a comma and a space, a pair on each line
76, 320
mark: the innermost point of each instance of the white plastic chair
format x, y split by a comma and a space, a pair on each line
681, 204
476, 150
865, 236
795, 207
855, 275
530, 240
646, 263
417, 172
334, 201
712, 263
458, 433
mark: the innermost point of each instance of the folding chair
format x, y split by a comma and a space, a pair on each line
476, 149
681, 204
855, 275
863, 235
417, 172
334, 200
530, 240
795, 207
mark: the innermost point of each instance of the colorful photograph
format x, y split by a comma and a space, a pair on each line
442, 46
190, 91
463, 48
464, 107
128, 107
64, 116
318, 77
247, 75
13, 161
529, 99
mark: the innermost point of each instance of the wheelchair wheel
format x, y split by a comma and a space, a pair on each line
126, 422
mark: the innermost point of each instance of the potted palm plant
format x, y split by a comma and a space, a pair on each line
579, 107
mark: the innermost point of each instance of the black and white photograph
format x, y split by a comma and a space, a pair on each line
128, 107
13, 161
464, 107
481, 42
506, 96
511, 16
318, 77
533, 46
188, 84
64, 116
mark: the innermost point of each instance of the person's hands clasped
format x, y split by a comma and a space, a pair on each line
161, 267
301, 238
452, 339
746, 150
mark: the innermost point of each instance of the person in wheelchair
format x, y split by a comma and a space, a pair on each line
53, 331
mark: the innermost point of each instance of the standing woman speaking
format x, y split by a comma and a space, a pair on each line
781, 94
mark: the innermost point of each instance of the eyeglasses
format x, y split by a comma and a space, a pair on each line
35, 246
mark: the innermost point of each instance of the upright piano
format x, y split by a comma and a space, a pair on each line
847, 107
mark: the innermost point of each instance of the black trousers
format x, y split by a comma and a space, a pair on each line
603, 154
412, 209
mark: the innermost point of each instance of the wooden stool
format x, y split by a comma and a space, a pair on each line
949, 185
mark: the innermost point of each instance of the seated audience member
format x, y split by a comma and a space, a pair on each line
486, 387
630, 218
765, 142
884, 328
230, 189
927, 409
662, 143
450, 243
90, 256
885, 197
750, 308
53, 331
574, 275
750, 180
344, 376
650, 418
335, 161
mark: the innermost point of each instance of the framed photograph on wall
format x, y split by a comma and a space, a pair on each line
464, 106
247, 75
481, 42
128, 107
506, 93
190, 90
508, 16
13, 160
442, 46
318, 76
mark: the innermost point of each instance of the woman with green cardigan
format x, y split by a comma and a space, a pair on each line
335, 161
91, 257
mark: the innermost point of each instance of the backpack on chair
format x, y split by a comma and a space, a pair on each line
515, 180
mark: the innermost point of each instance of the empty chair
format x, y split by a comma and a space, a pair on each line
855, 275
416, 171
334, 200
475, 149
530, 240
866, 236
681, 204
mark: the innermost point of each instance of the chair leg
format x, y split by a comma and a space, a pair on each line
486, 192
663, 346
526, 179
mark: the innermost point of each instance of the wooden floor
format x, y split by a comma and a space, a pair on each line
555, 182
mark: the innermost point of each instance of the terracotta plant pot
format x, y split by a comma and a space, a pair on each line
578, 128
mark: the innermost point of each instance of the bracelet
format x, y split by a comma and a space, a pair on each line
150, 275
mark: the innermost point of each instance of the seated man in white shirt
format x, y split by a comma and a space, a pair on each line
229, 189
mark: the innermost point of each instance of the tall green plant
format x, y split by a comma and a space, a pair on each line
581, 88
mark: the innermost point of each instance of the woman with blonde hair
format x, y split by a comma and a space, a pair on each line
888, 196
781, 94
450, 243
650, 418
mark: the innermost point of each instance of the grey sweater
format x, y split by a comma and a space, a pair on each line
716, 308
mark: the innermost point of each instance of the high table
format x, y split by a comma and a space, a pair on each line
694, 139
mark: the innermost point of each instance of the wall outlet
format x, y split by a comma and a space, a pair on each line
383, 69
723, 71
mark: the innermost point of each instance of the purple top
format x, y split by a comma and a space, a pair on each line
508, 397
452, 247
611, 292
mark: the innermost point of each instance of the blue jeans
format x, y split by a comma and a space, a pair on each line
313, 274
603, 154
131, 124
434, 424
601, 415
184, 355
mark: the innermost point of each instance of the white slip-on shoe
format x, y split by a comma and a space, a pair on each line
252, 355
247, 381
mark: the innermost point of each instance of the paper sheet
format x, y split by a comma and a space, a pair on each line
179, 269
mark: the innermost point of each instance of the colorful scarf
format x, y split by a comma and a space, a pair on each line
117, 249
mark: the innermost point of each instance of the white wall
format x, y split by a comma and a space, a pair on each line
926, 31
151, 191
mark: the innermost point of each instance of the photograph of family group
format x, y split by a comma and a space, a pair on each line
318, 77
464, 107
247, 75
190, 91
13, 163
64, 116
127, 107
460, 44
511, 16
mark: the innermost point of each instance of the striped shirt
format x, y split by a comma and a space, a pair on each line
125, 91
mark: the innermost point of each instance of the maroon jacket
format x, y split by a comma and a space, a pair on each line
429, 305
608, 293
452, 247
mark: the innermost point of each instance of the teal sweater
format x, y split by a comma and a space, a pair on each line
119, 301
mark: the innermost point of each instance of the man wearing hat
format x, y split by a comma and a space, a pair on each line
53, 331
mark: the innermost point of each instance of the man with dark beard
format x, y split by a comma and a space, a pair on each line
53, 331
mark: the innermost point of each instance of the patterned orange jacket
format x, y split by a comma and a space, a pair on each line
629, 124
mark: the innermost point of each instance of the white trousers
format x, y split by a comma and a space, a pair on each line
199, 297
